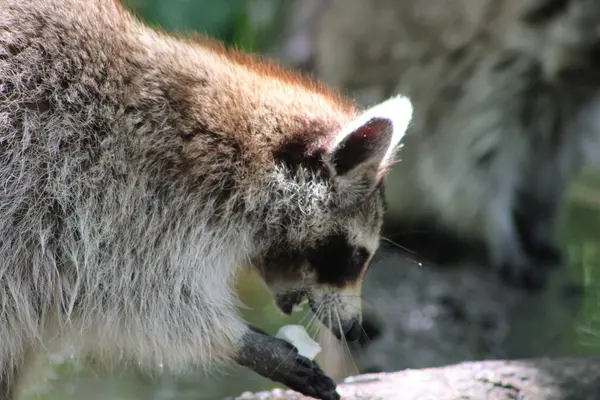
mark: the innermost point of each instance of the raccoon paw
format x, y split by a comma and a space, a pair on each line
524, 275
306, 377
279, 361
548, 254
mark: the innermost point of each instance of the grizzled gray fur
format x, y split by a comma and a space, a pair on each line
139, 171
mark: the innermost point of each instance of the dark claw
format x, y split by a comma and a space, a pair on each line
304, 362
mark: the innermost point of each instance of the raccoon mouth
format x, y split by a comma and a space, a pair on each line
291, 301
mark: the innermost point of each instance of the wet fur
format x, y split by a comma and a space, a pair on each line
139, 171
494, 169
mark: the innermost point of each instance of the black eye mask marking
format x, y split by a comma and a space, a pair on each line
337, 263
360, 257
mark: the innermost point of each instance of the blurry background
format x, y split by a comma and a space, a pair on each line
245, 24
416, 315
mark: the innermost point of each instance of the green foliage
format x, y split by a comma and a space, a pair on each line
226, 20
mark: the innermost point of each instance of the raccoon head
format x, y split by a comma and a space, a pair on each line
323, 258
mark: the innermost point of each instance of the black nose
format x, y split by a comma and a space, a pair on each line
352, 331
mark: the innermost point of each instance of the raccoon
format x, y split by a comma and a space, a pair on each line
499, 164
141, 170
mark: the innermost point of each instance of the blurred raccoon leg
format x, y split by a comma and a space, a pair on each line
536, 223
506, 254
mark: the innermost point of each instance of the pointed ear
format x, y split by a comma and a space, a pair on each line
366, 146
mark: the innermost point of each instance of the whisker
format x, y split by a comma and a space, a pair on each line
329, 312
345, 346
307, 314
311, 326
405, 231
316, 317
331, 336
305, 317
390, 241
365, 335
363, 300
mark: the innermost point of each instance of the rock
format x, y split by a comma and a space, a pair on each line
532, 379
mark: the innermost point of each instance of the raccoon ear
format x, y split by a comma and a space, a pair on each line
365, 147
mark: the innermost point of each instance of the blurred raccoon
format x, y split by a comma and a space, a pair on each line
497, 168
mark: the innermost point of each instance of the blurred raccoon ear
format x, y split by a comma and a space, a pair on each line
365, 147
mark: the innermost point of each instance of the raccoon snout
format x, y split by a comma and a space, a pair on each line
351, 330
345, 326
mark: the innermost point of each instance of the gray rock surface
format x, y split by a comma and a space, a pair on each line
534, 379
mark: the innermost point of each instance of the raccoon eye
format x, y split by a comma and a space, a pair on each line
360, 256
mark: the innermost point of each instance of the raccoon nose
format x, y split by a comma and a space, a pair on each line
353, 333
351, 330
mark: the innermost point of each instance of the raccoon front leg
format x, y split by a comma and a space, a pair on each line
535, 221
505, 252
280, 362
